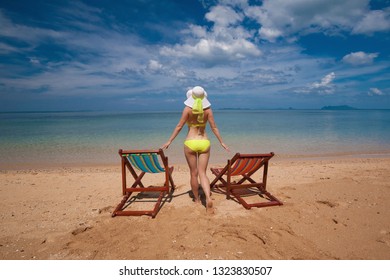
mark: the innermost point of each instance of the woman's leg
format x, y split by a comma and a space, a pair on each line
203, 161
192, 160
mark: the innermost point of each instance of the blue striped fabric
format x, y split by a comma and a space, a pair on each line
145, 162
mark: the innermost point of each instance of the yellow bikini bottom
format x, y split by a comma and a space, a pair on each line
198, 145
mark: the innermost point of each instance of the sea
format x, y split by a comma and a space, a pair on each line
53, 139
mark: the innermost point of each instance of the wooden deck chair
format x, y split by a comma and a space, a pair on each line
245, 165
145, 161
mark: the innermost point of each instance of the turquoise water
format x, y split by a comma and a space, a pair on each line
66, 138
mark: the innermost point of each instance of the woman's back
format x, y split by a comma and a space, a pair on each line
196, 129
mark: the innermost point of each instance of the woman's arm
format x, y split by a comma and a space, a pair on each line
215, 130
179, 126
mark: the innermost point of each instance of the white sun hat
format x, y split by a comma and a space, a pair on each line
197, 92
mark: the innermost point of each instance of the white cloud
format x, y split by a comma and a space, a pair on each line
195, 30
360, 58
212, 51
34, 61
324, 87
6, 48
374, 21
375, 92
154, 65
24, 33
325, 81
224, 43
270, 34
286, 18
223, 16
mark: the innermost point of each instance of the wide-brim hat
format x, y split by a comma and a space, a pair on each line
197, 92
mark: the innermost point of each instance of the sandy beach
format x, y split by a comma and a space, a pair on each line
334, 208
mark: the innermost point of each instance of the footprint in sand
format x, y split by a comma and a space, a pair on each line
328, 203
385, 238
81, 230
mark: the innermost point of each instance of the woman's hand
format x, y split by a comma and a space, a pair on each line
166, 145
225, 147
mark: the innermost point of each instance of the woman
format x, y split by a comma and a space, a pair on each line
196, 114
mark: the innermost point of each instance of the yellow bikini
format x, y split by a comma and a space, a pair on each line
198, 145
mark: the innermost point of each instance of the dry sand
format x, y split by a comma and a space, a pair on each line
334, 208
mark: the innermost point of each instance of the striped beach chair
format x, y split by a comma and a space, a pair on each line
145, 161
245, 166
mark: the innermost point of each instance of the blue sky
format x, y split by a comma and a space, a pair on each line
144, 54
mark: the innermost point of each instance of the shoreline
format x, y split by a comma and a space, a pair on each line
335, 208
180, 160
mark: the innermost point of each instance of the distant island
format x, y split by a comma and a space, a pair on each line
341, 107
